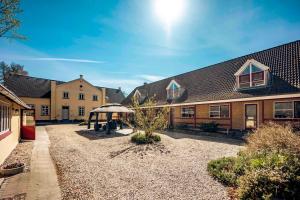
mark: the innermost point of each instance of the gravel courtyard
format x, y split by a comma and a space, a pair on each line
110, 167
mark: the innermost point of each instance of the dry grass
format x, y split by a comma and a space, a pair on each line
274, 137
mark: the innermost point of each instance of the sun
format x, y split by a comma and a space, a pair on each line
169, 11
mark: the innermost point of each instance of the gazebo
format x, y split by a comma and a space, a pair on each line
109, 109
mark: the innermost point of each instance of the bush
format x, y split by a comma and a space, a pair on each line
223, 170
272, 176
83, 123
141, 138
274, 137
209, 127
269, 167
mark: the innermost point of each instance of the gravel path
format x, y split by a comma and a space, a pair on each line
110, 167
21, 153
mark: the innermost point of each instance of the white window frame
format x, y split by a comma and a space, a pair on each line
95, 97
173, 92
67, 96
293, 109
219, 111
249, 63
187, 107
5, 118
81, 95
43, 109
81, 111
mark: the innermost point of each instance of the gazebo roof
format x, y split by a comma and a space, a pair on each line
112, 108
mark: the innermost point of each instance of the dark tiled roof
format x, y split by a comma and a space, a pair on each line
114, 95
27, 86
217, 82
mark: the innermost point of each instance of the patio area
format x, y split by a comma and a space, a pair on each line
100, 166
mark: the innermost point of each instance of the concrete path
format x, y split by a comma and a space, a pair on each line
41, 182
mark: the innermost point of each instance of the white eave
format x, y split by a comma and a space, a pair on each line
251, 61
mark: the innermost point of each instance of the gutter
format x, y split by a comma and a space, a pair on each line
9, 94
284, 96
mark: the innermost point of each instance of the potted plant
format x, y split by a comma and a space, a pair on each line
12, 169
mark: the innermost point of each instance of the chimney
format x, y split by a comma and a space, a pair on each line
81, 76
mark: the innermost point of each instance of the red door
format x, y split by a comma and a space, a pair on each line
28, 124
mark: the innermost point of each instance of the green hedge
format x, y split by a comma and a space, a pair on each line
141, 138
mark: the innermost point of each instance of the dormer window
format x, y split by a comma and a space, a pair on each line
173, 90
137, 95
252, 74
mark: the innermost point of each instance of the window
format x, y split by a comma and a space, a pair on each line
32, 106
44, 110
95, 98
66, 95
219, 111
173, 90
252, 74
81, 96
187, 112
81, 111
5, 117
284, 109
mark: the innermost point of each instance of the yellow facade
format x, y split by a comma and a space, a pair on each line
61, 108
236, 119
8, 143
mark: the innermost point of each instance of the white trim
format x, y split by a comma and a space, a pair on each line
173, 81
257, 114
293, 108
219, 105
248, 63
137, 92
284, 96
187, 107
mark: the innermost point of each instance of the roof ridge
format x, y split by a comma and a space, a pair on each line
202, 68
35, 77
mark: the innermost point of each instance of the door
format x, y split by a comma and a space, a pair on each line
251, 116
28, 124
65, 113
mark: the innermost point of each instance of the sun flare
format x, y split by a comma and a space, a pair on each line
169, 11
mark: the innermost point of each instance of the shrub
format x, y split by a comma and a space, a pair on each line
83, 123
269, 167
209, 127
274, 137
223, 170
141, 138
273, 176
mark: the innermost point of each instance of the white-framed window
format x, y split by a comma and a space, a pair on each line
187, 112
219, 111
286, 109
32, 106
44, 110
5, 118
252, 74
95, 97
81, 110
65, 95
173, 90
81, 96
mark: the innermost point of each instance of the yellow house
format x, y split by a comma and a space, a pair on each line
58, 100
10, 121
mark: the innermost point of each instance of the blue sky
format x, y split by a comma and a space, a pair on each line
124, 43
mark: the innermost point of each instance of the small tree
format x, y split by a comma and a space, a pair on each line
148, 117
13, 68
